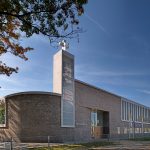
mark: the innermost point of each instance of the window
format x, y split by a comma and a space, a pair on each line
2, 113
94, 118
147, 116
138, 113
125, 110
125, 130
144, 115
118, 130
134, 112
68, 112
67, 99
97, 118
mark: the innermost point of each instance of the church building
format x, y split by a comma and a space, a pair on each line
75, 111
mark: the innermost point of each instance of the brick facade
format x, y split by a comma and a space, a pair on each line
33, 116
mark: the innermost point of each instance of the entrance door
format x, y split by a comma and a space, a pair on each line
96, 128
99, 123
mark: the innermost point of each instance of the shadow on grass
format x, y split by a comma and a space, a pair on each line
81, 146
141, 139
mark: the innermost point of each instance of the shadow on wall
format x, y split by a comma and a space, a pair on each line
13, 124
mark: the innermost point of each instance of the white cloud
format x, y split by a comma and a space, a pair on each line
13, 90
115, 73
9, 80
129, 78
20, 83
96, 23
144, 91
84, 69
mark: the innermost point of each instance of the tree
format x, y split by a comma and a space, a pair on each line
47, 17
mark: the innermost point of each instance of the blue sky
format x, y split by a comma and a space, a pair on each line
112, 54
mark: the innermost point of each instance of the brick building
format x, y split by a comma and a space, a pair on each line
74, 111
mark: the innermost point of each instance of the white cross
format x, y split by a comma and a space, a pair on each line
64, 45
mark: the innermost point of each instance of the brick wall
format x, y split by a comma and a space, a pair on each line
33, 117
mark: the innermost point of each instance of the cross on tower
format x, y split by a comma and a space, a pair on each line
64, 45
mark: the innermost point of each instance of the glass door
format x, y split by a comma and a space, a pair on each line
96, 123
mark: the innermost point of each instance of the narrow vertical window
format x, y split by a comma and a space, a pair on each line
144, 114
147, 115
137, 113
140, 114
121, 109
133, 110
128, 111
2, 113
125, 110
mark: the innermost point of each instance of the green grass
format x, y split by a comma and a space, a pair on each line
97, 144
142, 139
82, 146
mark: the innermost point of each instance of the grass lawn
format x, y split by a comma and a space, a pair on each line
142, 139
83, 146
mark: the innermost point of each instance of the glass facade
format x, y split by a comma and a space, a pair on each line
67, 101
131, 111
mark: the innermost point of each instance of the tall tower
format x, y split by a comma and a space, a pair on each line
63, 83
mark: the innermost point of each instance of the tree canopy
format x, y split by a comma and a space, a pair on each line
53, 18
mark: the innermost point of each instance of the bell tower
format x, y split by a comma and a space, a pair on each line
63, 83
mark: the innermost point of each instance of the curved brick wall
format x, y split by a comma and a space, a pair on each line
32, 116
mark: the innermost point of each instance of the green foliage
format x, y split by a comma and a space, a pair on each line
53, 18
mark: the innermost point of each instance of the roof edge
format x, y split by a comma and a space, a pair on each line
121, 97
87, 84
33, 92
